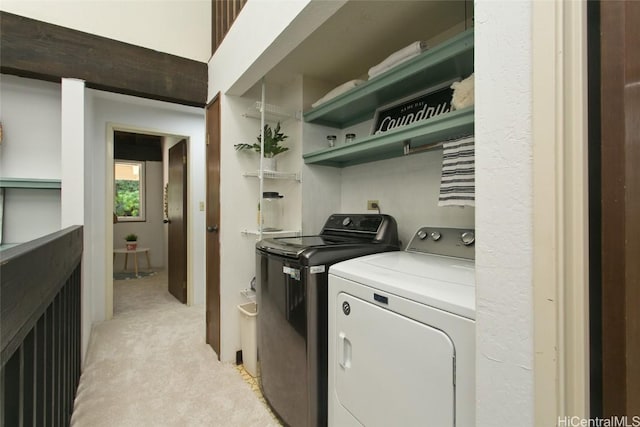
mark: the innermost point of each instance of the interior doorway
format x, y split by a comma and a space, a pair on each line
153, 228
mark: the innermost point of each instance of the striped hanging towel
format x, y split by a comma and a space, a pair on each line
457, 187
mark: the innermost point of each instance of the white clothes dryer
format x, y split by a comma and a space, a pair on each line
401, 331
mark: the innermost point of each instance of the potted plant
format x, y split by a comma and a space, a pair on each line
132, 241
272, 147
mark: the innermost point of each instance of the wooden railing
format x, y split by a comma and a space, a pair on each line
223, 13
40, 337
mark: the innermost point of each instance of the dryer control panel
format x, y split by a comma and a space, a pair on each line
455, 242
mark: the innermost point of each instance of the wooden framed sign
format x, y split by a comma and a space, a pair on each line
419, 106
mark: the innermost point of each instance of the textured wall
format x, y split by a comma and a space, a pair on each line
504, 335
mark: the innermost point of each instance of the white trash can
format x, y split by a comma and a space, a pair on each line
248, 339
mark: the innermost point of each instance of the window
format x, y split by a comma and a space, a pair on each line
129, 190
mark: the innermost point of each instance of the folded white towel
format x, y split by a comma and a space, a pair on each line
457, 187
344, 87
398, 57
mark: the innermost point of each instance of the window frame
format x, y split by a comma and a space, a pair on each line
141, 217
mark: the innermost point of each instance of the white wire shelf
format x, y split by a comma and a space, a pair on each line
272, 113
274, 175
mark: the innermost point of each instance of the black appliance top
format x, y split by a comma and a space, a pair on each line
341, 233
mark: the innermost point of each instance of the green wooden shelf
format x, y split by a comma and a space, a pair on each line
444, 62
30, 183
391, 144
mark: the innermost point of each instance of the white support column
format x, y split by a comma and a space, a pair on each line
504, 207
72, 153
72, 197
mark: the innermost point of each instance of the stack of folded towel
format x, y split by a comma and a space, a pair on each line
398, 57
344, 87
457, 187
393, 60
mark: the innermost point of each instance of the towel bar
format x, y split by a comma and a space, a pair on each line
414, 150
428, 147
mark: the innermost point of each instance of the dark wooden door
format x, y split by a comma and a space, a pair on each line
213, 224
620, 207
177, 198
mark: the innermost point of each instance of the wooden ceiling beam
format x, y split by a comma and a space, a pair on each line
36, 49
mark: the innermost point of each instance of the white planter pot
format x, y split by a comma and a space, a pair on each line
269, 164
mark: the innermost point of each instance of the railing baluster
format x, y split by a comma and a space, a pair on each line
40, 374
27, 380
48, 401
11, 391
224, 13
63, 351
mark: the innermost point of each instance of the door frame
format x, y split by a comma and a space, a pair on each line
108, 231
560, 215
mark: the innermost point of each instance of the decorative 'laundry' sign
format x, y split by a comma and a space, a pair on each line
412, 109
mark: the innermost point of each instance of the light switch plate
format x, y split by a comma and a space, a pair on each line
202, 206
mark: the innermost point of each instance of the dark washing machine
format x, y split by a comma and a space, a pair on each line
292, 284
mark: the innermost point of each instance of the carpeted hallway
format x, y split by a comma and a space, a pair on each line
150, 366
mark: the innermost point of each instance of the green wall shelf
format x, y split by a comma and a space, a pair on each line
391, 144
444, 62
30, 183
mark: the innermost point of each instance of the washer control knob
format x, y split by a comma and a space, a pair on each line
435, 235
347, 222
468, 238
422, 234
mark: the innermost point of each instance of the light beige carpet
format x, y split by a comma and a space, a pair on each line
150, 366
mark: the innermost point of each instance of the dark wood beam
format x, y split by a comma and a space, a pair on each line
35, 49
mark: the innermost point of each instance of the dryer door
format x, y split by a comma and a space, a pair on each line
392, 370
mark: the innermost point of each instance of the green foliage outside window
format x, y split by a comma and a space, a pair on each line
127, 201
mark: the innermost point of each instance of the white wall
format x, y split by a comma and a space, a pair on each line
407, 188
130, 113
151, 231
504, 319
30, 111
31, 124
29, 214
178, 27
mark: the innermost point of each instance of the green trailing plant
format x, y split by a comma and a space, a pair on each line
131, 237
272, 140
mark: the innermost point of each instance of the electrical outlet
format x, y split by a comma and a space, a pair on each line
373, 205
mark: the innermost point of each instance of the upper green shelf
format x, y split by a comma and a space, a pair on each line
446, 61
